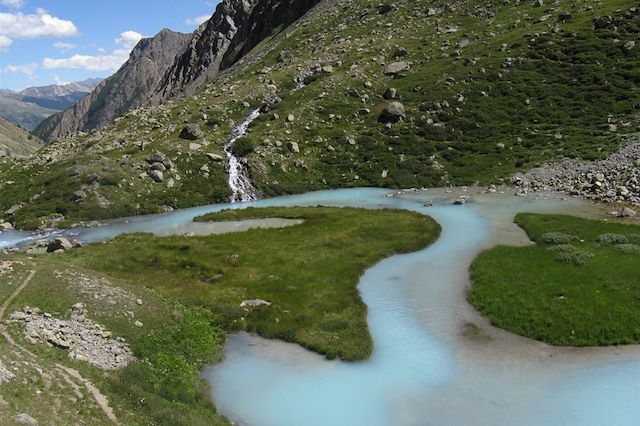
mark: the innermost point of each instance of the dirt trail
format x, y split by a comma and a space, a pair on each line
101, 400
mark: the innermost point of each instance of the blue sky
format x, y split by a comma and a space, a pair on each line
51, 41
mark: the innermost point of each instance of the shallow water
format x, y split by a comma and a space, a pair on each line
423, 370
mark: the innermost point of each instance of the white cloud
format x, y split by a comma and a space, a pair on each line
19, 25
23, 69
64, 46
5, 42
197, 21
129, 39
103, 62
16, 4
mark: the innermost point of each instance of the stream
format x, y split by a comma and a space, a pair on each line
424, 370
239, 180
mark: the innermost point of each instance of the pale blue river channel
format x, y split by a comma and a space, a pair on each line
424, 369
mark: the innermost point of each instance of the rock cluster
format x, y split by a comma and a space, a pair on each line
82, 338
613, 180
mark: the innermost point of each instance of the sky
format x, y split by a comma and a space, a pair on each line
46, 42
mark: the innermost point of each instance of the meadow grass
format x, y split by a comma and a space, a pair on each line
586, 293
308, 272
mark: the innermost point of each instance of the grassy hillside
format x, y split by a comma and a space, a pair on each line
489, 89
16, 142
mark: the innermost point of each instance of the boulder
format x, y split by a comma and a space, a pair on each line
191, 132
293, 147
25, 419
393, 113
60, 243
156, 175
627, 212
391, 93
79, 196
159, 167
396, 68
157, 157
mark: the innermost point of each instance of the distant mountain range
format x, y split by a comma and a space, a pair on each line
28, 107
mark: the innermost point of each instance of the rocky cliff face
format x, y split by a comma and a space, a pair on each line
205, 51
127, 89
234, 30
171, 64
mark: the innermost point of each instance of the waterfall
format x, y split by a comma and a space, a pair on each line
239, 181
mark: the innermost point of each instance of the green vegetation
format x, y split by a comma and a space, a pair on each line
308, 272
173, 345
585, 293
190, 290
494, 88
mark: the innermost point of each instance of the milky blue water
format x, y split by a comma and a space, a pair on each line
423, 370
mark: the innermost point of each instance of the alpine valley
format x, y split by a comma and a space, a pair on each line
389, 212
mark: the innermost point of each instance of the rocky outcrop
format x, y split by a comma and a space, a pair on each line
235, 29
129, 88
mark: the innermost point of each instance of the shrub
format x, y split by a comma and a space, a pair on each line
557, 238
567, 253
629, 248
242, 147
613, 239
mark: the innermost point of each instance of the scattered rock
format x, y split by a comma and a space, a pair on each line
627, 212
79, 196
293, 147
59, 244
462, 200
25, 419
390, 94
255, 303
156, 175
5, 375
396, 68
191, 132
393, 113
83, 339
612, 180
215, 157
157, 157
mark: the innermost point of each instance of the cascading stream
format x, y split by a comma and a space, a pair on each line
239, 181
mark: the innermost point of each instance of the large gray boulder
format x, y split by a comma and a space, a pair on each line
191, 132
393, 113
396, 68
60, 243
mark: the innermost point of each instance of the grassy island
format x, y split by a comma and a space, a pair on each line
579, 285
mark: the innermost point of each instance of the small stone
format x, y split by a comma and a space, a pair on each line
215, 157
138, 324
25, 419
293, 147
